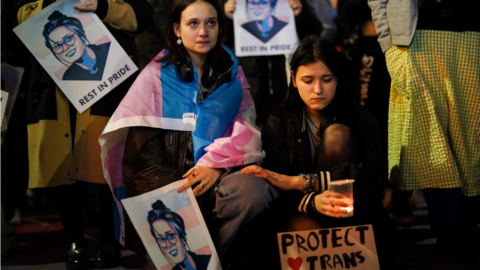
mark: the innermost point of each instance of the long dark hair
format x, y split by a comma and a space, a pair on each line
311, 50
177, 52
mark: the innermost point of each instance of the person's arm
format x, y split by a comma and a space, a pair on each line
145, 166
229, 9
131, 16
305, 21
24, 9
379, 17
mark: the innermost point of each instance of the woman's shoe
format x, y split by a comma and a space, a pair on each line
77, 257
107, 257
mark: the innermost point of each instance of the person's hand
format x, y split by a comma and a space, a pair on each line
203, 175
87, 5
229, 8
326, 201
275, 179
296, 6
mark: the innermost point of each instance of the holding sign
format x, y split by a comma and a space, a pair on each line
172, 228
334, 248
264, 27
74, 48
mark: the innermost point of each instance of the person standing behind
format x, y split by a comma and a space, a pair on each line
266, 74
433, 57
63, 144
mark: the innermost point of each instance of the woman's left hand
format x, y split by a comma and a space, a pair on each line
281, 181
203, 175
296, 6
87, 5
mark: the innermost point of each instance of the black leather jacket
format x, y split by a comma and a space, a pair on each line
370, 177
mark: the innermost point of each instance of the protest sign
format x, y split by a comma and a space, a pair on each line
334, 248
172, 228
3, 105
77, 51
264, 27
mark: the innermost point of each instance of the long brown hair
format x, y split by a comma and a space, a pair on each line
177, 52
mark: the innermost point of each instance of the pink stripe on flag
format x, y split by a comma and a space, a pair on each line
59, 73
189, 217
102, 40
114, 165
85, 18
146, 90
205, 250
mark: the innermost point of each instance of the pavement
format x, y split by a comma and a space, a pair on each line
41, 244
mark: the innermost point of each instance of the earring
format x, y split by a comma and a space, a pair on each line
179, 41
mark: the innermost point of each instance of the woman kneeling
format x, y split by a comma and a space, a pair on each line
189, 115
319, 133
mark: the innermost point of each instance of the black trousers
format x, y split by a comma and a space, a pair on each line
453, 218
69, 201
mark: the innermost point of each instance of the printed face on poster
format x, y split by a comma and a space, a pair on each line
264, 27
77, 51
172, 228
335, 248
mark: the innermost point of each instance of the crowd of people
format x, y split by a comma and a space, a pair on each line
384, 91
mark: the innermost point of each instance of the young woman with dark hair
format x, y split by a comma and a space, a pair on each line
317, 136
190, 115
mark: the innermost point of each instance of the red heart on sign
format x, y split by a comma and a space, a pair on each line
295, 263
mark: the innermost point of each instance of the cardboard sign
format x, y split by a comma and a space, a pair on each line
172, 228
334, 248
77, 51
3, 106
264, 28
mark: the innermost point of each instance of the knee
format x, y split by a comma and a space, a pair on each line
253, 191
337, 138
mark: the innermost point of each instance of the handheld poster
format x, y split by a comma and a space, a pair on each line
172, 228
76, 49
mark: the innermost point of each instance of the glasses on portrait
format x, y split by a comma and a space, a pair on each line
58, 46
260, 3
170, 237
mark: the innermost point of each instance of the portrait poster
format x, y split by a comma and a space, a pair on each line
172, 228
264, 27
3, 106
339, 248
77, 51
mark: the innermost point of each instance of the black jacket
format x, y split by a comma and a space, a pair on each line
370, 173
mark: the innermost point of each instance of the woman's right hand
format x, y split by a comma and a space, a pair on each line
229, 8
281, 181
326, 201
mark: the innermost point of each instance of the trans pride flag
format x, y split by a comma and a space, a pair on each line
223, 130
